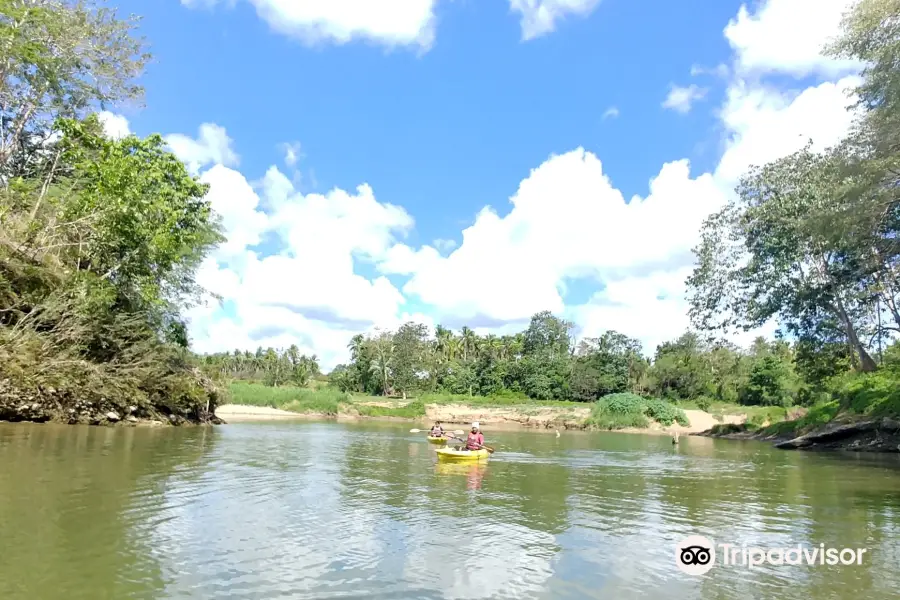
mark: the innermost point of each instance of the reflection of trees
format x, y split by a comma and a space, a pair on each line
70, 498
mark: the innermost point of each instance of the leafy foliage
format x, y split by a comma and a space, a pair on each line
99, 238
618, 411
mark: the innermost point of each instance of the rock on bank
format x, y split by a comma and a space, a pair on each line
49, 404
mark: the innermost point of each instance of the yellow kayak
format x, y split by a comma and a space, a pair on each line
453, 455
437, 440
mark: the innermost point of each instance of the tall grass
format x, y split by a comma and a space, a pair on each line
413, 410
322, 400
509, 399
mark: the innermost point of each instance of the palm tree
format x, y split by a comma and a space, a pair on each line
443, 342
381, 363
355, 346
491, 346
468, 341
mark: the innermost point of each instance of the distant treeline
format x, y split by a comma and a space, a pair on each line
544, 363
270, 366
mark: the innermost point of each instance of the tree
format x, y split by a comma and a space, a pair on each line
773, 251
382, 360
100, 239
608, 363
547, 336
770, 382
680, 369
60, 60
408, 360
468, 342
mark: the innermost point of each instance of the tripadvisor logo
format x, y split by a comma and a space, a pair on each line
695, 555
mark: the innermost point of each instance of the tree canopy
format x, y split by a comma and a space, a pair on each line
99, 238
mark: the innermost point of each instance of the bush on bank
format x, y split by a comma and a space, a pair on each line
625, 410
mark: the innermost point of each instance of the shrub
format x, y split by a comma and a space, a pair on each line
873, 394
665, 413
703, 403
617, 411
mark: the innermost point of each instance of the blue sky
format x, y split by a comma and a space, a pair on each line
444, 107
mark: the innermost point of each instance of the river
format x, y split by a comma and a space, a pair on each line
326, 510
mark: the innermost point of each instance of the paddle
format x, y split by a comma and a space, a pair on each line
457, 432
488, 448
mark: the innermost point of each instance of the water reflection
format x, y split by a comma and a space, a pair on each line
73, 506
320, 510
474, 473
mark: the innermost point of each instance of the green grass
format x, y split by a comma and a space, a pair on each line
870, 394
503, 401
755, 414
816, 417
413, 410
325, 401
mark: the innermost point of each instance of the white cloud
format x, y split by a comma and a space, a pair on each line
114, 126
610, 113
539, 17
387, 22
681, 99
237, 204
721, 70
566, 223
292, 153
765, 124
787, 36
212, 146
307, 292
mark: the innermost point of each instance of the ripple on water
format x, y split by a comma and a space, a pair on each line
309, 510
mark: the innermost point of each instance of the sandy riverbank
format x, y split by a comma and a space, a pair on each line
539, 417
238, 412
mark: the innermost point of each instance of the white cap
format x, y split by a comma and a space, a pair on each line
476, 425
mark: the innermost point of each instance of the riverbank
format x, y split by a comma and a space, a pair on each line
82, 405
817, 428
251, 401
847, 432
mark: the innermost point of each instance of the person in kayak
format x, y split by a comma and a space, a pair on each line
475, 440
437, 430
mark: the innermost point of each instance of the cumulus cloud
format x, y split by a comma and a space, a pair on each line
765, 124
387, 22
681, 99
308, 292
212, 146
787, 36
610, 113
539, 17
114, 126
566, 221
